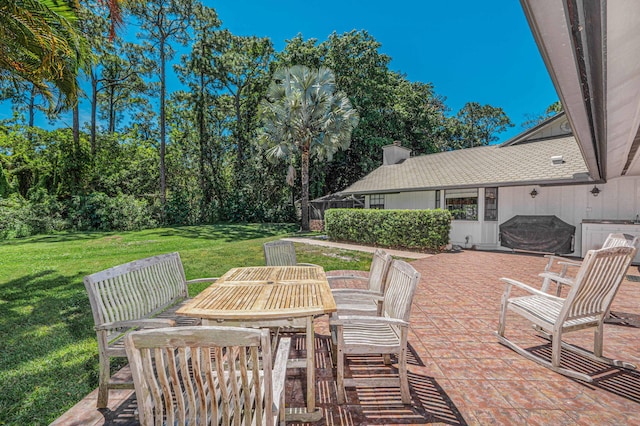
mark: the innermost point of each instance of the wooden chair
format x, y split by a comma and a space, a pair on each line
207, 375
561, 278
281, 253
360, 301
141, 294
586, 306
385, 334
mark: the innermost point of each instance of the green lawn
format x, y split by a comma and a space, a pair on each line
48, 350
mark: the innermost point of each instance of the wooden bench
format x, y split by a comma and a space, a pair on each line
140, 294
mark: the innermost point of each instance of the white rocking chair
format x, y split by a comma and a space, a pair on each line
561, 278
586, 306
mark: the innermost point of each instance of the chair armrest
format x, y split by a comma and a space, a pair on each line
338, 292
203, 280
561, 260
308, 264
556, 258
279, 371
570, 263
557, 278
142, 323
346, 277
348, 319
530, 289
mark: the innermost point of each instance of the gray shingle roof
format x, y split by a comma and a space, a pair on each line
494, 165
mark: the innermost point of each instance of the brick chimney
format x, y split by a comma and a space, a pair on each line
394, 154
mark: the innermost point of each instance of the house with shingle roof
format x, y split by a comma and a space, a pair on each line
539, 173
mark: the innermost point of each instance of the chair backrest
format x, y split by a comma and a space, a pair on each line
191, 375
597, 282
280, 253
380, 264
617, 240
137, 289
402, 281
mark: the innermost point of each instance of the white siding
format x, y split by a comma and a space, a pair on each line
410, 200
618, 199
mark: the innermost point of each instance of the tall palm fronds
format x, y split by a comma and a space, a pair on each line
303, 113
40, 42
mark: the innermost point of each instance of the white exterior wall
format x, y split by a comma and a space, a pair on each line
408, 200
618, 199
411, 200
479, 233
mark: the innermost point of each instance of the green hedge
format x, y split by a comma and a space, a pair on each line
416, 229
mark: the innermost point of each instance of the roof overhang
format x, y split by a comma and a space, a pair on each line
590, 48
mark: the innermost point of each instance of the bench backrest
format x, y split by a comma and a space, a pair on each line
202, 375
136, 290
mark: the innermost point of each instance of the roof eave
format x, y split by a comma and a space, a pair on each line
538, 182
574, 58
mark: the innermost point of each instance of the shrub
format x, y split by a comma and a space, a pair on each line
99, 212
416, 229
40, 214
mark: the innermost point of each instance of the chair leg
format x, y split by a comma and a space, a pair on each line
556, 349
503, 318
340, 391
103, 383
597, 340
334, 345
404, 380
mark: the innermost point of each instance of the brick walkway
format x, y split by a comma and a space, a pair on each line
459, 374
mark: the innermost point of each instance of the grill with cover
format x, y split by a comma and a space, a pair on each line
545, 234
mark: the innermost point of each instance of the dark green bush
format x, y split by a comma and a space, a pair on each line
99, 212
40, 214
416, 229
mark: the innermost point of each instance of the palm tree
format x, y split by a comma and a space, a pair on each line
40, 42
304, 113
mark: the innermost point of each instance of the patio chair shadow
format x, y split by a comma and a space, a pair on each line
619, 381
624, 319
372, 405
365, 406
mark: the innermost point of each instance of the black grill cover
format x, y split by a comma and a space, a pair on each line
546, 234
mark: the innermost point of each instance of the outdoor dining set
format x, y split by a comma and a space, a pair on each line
222, 357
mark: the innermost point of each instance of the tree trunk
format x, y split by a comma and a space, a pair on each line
112, 108
204, 179
94, 108
76, 146
163, 89
239, 130
305, 190
32, 106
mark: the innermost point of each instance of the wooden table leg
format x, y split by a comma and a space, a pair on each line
310, 413
311, 367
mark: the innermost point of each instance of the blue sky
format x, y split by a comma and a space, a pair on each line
470, 50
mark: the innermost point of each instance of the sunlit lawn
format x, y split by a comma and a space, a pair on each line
48, 350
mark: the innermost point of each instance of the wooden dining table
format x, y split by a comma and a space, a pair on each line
272, 297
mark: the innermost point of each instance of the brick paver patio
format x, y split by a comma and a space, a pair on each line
459, 374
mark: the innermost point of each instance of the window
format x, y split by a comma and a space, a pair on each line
376, 201
438, 204
491, 204
462, 203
